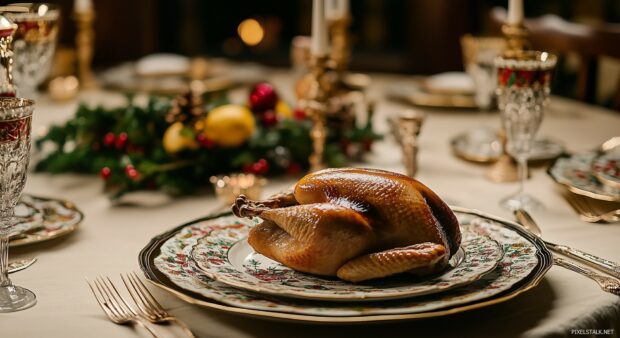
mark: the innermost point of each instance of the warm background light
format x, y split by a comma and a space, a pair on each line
251, 32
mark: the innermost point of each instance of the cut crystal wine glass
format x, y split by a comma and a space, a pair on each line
523, 92
34, 45
15, 125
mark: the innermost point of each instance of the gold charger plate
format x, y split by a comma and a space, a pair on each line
60, 218
148, 255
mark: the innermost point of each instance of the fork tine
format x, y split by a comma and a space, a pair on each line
107, 301
97, 295
122, 301
112, 303
149, 296
135, 295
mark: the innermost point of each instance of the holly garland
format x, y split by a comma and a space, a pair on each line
176, 145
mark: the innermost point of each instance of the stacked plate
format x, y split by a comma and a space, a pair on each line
446, 90
594, 174
42, 219
208, 262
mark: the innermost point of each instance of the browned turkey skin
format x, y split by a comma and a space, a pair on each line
354, 223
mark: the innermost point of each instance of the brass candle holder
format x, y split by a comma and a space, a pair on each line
408, 130
340, 52
315, 104
7, 31
505, 169
85, 45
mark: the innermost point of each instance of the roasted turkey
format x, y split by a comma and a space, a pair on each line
357, 224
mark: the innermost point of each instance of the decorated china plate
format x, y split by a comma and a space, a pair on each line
49, 218
225, 255
606, 168
166, 262
482, 145
575, 172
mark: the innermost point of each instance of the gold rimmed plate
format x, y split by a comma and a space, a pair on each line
575, 173
57, 218
224, 258
166, 261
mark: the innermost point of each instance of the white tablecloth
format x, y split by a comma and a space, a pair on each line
111, 237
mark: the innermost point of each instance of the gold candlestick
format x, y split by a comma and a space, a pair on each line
409, 127
315, 105
505, 170
85, 45
340, 43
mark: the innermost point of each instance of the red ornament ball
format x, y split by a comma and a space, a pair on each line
262, 97
121, 141
105, 173
109, 139
269, 118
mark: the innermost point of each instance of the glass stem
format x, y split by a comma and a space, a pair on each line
522, 162
4, 259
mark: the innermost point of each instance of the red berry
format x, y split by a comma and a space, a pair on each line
205, 141
261, 167
263, 97
293, 169
132, 172
105, 173
247, 168
367, 144
299, 114
109, 139
269, 118
121, 141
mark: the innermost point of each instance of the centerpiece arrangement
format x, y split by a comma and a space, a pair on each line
176, 145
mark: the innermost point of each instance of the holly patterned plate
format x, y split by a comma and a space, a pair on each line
166, 262
51, 218
226, 256
575, 172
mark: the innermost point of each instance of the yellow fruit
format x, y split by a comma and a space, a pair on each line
229, 125
174, 140
283, 109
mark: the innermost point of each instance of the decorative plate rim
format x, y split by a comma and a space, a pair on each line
576, 190
353, 296
32, 239
158, 279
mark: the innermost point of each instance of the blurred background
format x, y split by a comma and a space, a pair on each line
403, 36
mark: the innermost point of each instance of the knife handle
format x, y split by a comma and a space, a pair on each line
602, 264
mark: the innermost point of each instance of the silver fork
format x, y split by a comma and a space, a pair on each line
148, 305
587, 213
115, 306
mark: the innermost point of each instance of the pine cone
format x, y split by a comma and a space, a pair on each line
186, 108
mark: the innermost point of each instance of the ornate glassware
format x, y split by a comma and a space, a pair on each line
523, 92
15, 125
34, 45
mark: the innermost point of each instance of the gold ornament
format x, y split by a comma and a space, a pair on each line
229, 125
175, 141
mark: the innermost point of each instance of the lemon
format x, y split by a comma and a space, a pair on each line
174, 140
229, 125
283, 109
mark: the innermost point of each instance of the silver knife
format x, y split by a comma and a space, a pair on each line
602, 264
21, 264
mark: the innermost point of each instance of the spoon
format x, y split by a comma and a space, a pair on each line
21, 264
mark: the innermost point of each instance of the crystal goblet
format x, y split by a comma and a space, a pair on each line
15, 125
523, 92
33, 45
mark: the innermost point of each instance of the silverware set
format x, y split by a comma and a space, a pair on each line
606, 283
145, 310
